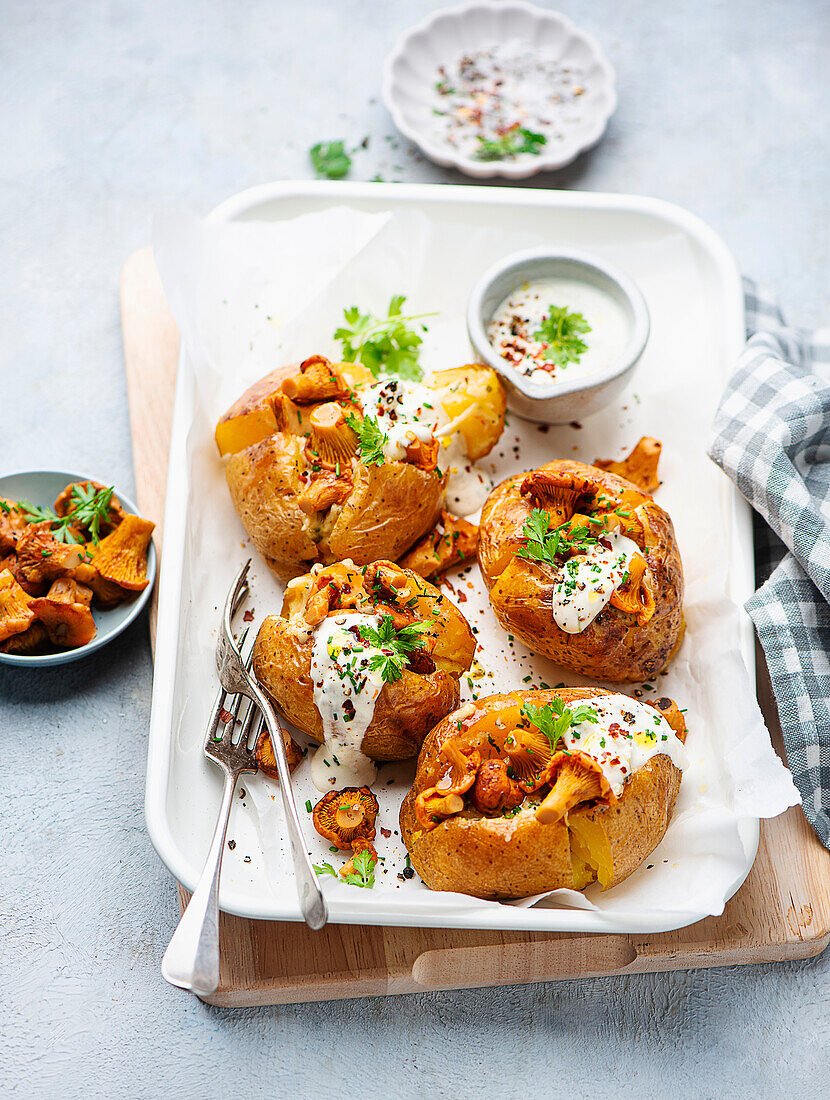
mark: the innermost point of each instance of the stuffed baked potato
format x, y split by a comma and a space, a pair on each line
533, 791
366, 659
584, 567
325, 462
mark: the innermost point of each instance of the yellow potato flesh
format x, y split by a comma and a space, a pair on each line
592, 840
240, 432
477, 388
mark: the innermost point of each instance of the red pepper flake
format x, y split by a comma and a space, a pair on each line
225, 716
461, 597
385, 832
248, 617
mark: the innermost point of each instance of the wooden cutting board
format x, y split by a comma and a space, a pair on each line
781, 912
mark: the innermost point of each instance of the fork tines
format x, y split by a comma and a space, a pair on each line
231, 705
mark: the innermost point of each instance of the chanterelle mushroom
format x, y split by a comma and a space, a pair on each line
77, 491
640, 467
26, 642
331, 441
65, 613
16, 613
316, 380
266, 758
42, 558
636, 596
359, 845
347, 816
574, 778
120, 561
557, 492
451, 541
12, 524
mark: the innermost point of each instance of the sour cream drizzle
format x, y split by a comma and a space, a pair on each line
406, 411
627, 735
346, 689
585, 583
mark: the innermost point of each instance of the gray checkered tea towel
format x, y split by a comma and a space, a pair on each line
772, 437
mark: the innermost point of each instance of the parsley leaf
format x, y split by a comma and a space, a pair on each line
324, 869
510, 144
544, 545
555, 719
385, 344
395, 646
364, 873
560, 331
330, 160
33, 513
88, 509
372, 439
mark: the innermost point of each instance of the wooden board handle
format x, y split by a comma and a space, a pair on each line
511, 963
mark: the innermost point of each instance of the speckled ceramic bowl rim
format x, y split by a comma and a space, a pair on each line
48, 660
445, 155
517, 261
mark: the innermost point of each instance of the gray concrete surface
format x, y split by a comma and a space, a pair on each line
111, 109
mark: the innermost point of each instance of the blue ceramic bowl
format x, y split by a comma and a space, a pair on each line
42, 487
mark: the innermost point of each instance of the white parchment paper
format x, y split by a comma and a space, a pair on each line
250, 296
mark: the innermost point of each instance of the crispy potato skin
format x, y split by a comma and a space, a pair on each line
264, 482
405, 711
517, 857
389, 507
259, 391
613, 648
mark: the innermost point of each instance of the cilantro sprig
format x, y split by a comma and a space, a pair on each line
383, 344
395, 646
324, 869
510, 144
554, 719
330, 160
561, 332
88, 509
363, 874
372, 439
364, 870
544, 545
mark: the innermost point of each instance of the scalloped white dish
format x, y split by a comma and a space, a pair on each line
411, 72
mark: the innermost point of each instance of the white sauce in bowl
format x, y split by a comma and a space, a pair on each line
346, 689
585, 583
626, 736
521, 314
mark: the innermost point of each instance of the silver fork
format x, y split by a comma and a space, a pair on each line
237, 679
191, 960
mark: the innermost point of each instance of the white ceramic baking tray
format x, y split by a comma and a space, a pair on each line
182, 795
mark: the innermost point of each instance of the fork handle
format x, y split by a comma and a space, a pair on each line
191, 960
312, 903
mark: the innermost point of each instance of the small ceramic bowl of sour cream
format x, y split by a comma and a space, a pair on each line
563, 328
